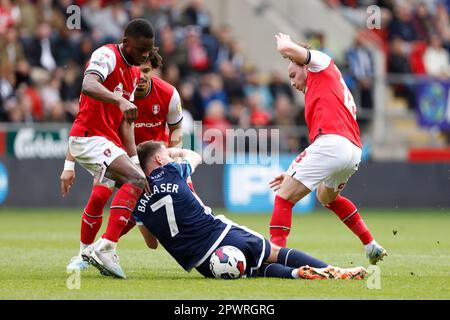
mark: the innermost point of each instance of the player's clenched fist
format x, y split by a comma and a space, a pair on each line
130, 111
284, 42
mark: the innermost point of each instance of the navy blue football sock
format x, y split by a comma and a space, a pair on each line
295, 259
275, 270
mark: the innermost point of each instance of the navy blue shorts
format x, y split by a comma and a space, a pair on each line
256, 250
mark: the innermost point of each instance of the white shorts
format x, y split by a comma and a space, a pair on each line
331, 159
95, 154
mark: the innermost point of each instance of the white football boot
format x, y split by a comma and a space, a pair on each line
77, 263
103, 256
375, 252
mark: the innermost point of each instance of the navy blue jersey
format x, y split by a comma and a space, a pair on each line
177, 218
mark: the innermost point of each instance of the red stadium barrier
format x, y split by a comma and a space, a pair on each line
429, 155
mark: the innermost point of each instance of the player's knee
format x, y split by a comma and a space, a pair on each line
324, 198
320, 198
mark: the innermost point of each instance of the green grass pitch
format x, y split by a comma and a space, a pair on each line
36, 245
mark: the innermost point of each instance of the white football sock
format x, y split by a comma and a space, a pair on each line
82, 247
369, 246
105, 245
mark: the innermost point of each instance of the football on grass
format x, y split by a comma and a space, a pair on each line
227, 262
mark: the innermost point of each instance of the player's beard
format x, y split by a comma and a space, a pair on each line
141, 91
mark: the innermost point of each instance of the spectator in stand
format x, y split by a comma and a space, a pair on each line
171, 74
442, 21
154, 12
63, 47
256, 84
9, 15
238, 59
259, 116
416, 57
224, 51
51, 98
173, 52
84, 50
211, 89
398, 63
215, 118
41, 52
233, 83
191, 100
172, 13
70, 88
11, 51
361, 68
285, 118
239, 114
423, 22
108, 21
28, 19
402, 25
198, 59
196, 14
279, 87
436, 59
284, 112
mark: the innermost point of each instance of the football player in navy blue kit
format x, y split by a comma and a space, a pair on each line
187, 229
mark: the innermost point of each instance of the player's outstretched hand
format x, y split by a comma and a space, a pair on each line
283, 42
276, 182
130, 111
67, 179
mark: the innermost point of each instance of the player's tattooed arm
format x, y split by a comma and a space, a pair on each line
290, 50
93, 87
149, 238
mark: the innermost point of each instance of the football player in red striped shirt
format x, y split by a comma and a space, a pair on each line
102, 141
335, 151
159, 118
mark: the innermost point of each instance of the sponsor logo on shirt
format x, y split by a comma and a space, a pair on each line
147, 125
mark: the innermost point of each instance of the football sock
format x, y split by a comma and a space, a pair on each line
92, 217
295, 258
82, 247
105, 245
122, 206
369, 246
277, 270
348, 213
131, 223
280, 223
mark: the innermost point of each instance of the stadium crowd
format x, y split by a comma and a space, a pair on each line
42, 59
42, 62
415, 36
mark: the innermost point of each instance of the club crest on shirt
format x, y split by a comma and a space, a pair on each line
107, 153
118, 90
155, 108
